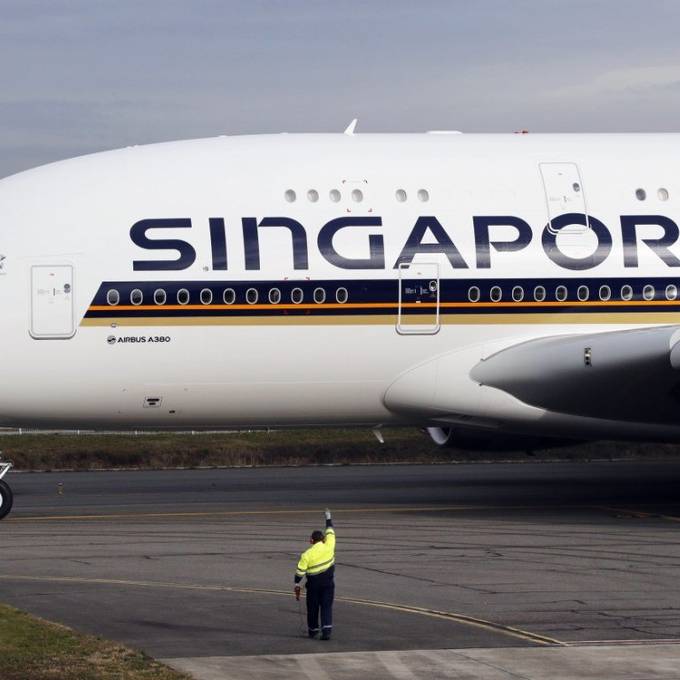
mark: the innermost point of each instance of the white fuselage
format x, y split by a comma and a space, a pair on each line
75, 354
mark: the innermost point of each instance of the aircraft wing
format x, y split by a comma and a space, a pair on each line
620, 375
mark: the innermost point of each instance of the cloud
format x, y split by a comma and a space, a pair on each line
630, 81
80, 75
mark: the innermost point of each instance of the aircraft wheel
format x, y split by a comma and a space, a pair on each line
6, 499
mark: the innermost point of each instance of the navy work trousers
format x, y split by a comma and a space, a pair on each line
320, 593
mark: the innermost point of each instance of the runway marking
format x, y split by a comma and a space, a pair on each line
242, 513
395, 666
498, 663
310, 666
407, 609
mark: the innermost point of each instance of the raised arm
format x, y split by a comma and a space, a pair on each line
330, 531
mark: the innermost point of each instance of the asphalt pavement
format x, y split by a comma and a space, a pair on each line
437, 565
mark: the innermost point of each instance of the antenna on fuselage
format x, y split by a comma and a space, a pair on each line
349, 130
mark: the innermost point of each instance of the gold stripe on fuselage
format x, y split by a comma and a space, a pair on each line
557, 318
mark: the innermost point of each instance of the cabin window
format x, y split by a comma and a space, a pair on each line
274, 296
113, 297
229, 296
334, 195
400, 195
539, 293
626, 292
319, 295
496, 293
297, 296
136, 297
671, 292
648, 292
518, 293
583, 293
183, 296
206, 296
662, 194
357, 195
640, 194
290, 196
605, 293
159, 296
312, 195
341, 295
561, 293
252, 296
423, 195
474, 294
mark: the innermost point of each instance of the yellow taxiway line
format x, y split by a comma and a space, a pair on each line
639, 514
244, 513
407, 609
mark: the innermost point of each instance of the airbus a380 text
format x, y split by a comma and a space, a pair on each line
481, 286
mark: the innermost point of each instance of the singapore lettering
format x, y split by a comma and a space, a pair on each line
427, 236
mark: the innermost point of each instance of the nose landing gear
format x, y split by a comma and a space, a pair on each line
6, 497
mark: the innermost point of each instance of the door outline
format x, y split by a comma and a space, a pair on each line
432, 277
35, 334
547, 192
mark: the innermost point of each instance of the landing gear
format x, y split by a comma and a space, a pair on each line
6, 497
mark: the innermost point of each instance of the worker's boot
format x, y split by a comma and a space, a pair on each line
312, 633
326, 634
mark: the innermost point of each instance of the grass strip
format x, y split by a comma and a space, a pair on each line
34, 649
312, 446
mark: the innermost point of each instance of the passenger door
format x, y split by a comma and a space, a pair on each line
52, 316
564, 193
418, 311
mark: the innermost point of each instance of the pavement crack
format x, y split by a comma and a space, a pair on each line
422, 579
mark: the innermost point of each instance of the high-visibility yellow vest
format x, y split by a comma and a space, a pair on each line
318, 558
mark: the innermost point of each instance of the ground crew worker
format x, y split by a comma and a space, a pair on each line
318, 565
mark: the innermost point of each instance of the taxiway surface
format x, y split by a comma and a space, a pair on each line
197, 566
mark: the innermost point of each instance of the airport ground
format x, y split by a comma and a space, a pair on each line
83, 450
532, 570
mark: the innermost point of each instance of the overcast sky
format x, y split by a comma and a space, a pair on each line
84, 75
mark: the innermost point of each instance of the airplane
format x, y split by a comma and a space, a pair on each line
486, 287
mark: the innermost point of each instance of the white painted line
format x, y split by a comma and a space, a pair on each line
395, 666
311, 667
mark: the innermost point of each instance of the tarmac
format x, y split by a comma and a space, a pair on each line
534, 570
